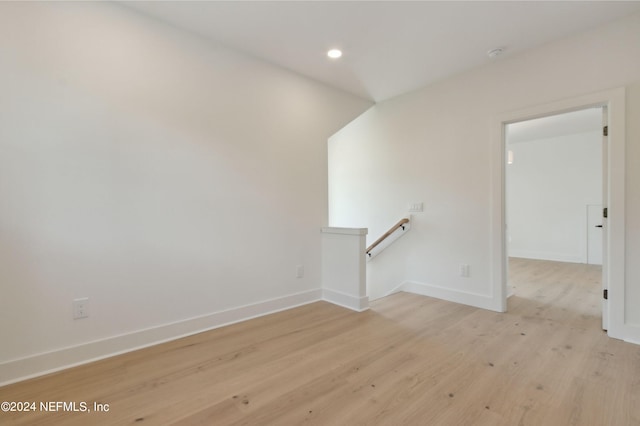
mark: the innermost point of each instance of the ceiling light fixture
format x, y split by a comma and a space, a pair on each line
495, 52
334, 53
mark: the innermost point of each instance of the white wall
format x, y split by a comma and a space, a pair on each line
344, 280
549, 185
632, 166
161, 176
435, 146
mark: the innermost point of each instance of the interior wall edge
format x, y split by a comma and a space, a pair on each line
358, 304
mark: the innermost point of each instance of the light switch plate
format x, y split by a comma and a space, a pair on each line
416, 207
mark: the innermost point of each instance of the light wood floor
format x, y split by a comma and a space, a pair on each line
410, 360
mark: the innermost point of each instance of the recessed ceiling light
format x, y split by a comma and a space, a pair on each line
495, 52
334, 53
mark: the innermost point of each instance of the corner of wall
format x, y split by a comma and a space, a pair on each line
358, 304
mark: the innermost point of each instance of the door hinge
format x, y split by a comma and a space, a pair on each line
605, 212
605, 131
605, 294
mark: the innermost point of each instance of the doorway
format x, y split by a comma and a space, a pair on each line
554, 191
614, 201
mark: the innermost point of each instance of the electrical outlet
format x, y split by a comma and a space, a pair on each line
299, 271
81, 308
464, 270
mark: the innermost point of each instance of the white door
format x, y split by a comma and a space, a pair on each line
603, 218
594, 234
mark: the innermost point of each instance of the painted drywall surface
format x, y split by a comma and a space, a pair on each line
549, 185
163, 177
435, 146
632, 234
343, 267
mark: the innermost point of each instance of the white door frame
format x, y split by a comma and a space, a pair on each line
614, 100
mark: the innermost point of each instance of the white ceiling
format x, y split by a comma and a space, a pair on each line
390, 47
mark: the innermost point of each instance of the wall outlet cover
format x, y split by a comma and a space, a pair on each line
81, 308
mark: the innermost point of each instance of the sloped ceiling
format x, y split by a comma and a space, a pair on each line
390, 47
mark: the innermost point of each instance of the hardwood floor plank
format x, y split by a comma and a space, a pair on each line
410, 360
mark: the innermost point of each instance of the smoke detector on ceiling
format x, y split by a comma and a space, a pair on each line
495, 52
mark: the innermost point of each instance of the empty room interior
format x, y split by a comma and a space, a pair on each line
335, 213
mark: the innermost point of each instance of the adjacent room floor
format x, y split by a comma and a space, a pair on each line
410, 360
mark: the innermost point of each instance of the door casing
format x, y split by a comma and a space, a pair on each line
614, 102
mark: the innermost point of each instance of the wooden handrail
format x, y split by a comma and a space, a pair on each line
391, 230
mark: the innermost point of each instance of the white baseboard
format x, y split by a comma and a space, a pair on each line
395, 290
633, 341
457, 296
348, 301
37, 365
